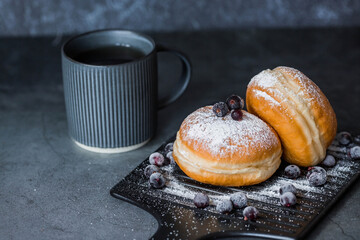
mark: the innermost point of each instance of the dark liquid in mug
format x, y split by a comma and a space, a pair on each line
110, 55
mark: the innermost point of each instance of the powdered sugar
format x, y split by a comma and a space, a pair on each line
265, 79
301, 86
222, 136
174, 187
312, 92
270, 90
267, 98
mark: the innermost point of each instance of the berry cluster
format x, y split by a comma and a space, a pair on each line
351, 143
234, 104
237, 200
316, 175
157, 160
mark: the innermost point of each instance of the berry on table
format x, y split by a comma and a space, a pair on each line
201, 200
150, 169
236, 115
354, 152
250, 213
288, 199
169, 147
329, 161
287, 187
356, 140
225, 206
238, 199
157, 159
169, 155
235, 102
292, 171
220, 109
317, 179
157, 180
344, 138
315, 169
316, 176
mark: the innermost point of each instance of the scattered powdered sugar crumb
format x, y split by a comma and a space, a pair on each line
215, 199
343, 168
270, 191
168, 168
223, 136
175, 188
302, 184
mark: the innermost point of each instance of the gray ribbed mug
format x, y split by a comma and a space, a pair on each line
113, 107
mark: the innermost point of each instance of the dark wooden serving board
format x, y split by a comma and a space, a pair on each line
178, 218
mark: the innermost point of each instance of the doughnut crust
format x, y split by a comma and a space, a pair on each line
298, 111
222, 151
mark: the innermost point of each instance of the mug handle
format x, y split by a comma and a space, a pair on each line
184, 78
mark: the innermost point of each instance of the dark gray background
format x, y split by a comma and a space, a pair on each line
50, 17
52, 189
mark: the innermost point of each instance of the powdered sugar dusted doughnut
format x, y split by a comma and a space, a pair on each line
223, 151
298, 111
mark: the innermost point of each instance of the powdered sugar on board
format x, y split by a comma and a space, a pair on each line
223, 136
178, 217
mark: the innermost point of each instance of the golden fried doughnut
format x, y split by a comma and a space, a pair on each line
226, 152
298, 111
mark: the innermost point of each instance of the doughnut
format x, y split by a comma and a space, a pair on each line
298, 111
226, 152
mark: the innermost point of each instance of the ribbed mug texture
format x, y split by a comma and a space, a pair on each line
111, 106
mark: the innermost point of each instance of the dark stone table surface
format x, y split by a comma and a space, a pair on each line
52, 189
